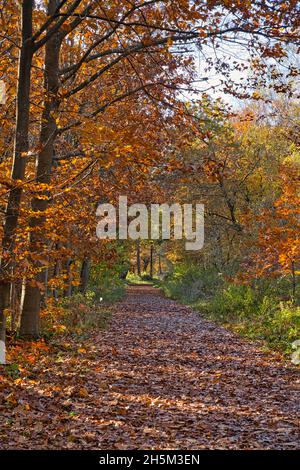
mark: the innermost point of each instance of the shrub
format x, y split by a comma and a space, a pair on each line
74, 315
233, 302
105, 282
189, 283
255, 311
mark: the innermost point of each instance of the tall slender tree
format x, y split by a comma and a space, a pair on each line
19, 163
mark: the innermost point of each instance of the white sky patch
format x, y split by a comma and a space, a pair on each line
213, 81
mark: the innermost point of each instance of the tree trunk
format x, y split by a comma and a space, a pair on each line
138, 257
146, 261
84, 275
15, 303
151, 261
19, 163
159, 265
56, 271
68, 290
293, 281
45, 297
30, 318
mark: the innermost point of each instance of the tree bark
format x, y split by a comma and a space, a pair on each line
146, 261
151, 261
21, 145
68, 290
138, 258
30, 318
159, 265
84, 275
56, 271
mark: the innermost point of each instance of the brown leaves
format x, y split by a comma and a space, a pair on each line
160, 377
83, 392
11, 400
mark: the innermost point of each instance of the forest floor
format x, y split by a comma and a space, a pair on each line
160, 377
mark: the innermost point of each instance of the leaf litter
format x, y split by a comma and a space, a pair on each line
160, 377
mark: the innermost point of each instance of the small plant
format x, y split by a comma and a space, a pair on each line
75, 315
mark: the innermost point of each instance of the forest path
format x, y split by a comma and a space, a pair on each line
161, 377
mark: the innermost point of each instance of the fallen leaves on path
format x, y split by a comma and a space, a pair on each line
160, 377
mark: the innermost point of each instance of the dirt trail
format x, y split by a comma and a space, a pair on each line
161, 377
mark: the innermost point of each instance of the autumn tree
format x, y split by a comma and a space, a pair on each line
278, 246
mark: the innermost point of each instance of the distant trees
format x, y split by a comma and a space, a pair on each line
247, 173
93, 108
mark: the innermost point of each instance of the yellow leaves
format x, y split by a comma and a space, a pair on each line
53, 311
39, 61
256, 95
81, 350
26, 407
60, 329
170, 42
128, 148
43, 197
